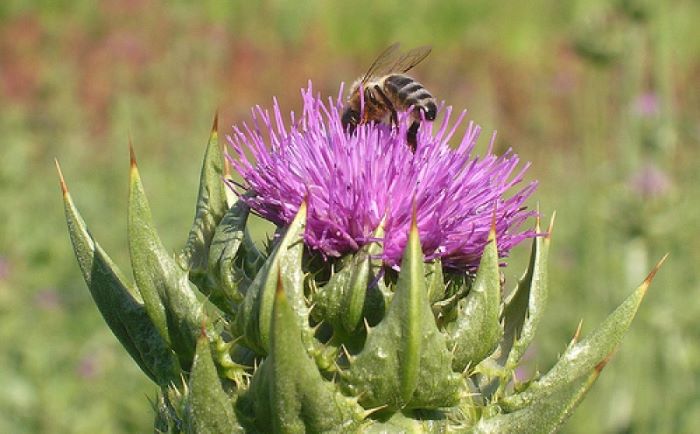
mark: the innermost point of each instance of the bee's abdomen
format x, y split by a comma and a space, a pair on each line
411, 93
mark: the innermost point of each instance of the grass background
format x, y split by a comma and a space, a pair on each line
601, 96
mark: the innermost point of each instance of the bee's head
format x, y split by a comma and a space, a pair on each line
350, 119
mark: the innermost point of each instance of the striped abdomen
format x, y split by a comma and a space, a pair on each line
406, 92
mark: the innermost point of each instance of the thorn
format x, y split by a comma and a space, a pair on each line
368, 329
185, 385
349, 356
414, 213
215, 124
382, 222
374, 410
537, 217
315, 328
492, 231
227, 169
304, 201
551, 225
577, 333
132, 155
454, 349
467, 369
64, 187
656, 268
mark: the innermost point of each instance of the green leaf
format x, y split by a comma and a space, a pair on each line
169, 300
253, 319
120, 306
524, 308
340, 302
343, 301
405, 362
477, 331
229, 280
161, 422
581, 358
435, 281
211, 206
400, 422
352, 304
378, 294
287, 393
252, 259
210, 408
456, 287
543, 416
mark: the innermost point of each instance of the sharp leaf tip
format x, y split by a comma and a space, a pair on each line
215, 124
64, 187
550, 228
652, 273
132, 154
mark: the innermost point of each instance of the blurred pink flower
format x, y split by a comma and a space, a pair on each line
650, 182
646, 105
87, 368
47, 299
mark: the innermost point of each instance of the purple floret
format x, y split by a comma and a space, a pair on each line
355, 182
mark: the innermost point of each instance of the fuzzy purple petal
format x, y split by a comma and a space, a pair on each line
354, 182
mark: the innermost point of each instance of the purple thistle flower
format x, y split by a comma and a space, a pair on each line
354, 183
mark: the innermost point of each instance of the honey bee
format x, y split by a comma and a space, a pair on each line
387, 90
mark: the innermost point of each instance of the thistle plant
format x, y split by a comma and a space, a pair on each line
377, 306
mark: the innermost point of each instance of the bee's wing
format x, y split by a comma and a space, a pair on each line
383, 63
410, 59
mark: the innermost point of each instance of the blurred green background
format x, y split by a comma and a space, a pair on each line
602, 97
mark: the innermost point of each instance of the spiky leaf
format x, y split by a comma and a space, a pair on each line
211, 206
169, 300
229, 281
253, 320
120, 306
345, 300
287, 393
435, 282
477, 330
340, 302
210, 409
525, 306
406, 422
581, 358
545, 415
405, 362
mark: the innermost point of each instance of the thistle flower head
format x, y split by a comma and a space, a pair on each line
353, 183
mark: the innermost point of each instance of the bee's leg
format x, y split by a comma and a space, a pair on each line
389, 105
412, 136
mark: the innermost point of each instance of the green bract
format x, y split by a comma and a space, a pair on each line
240, 340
